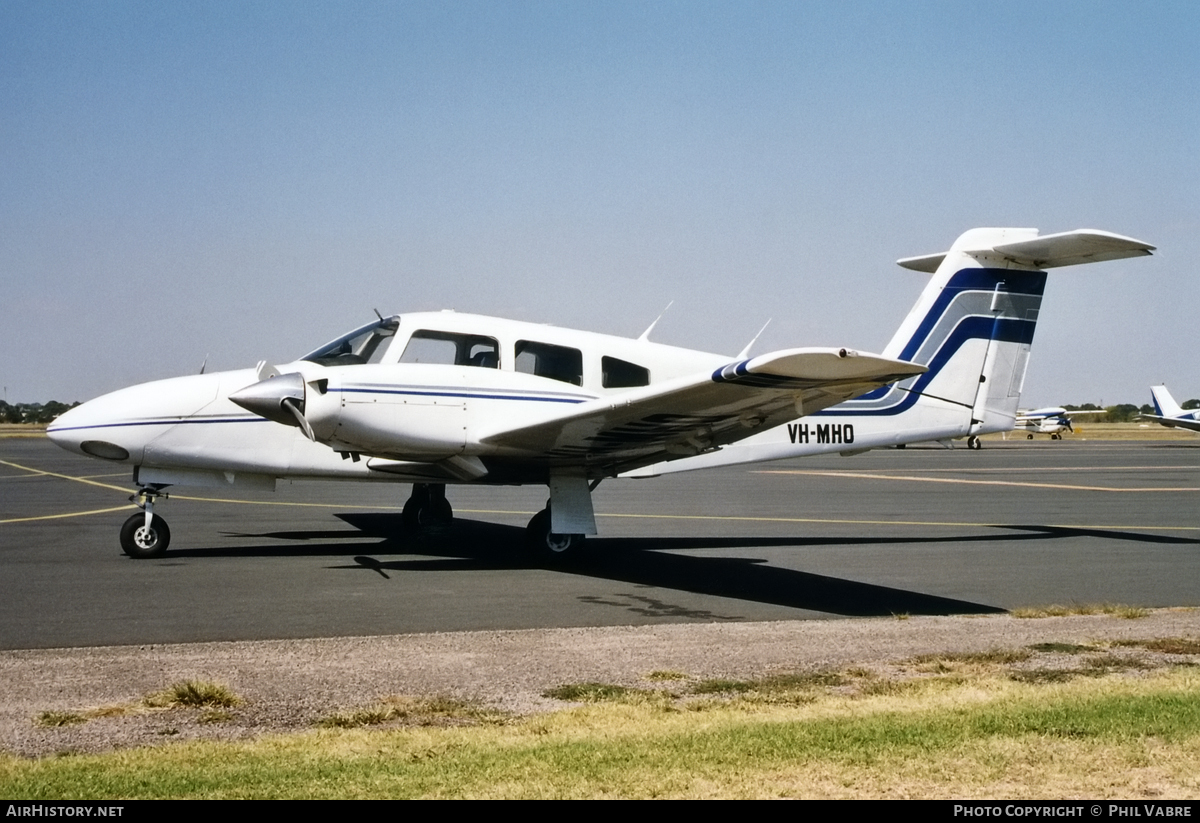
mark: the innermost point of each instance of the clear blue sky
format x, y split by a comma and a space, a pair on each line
247, 180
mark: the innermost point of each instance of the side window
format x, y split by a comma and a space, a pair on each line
451, 349
545, 360
621, 374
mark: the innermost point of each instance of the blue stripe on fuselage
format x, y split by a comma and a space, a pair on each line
1017, 282
472, 395
1006, 330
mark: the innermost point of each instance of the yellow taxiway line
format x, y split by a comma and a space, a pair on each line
963, 481
712, 517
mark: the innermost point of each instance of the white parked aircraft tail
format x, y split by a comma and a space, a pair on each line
972, 327
1164, 403
1169, 413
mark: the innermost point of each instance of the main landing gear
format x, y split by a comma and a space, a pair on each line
548, 546
145, 534
973, 442
427, 506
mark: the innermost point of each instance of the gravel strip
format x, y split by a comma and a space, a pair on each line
291, 684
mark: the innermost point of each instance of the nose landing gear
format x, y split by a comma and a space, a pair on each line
145, 534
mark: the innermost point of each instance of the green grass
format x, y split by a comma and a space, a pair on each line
1108, 737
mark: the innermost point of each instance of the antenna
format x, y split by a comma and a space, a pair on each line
746, 350
645, 336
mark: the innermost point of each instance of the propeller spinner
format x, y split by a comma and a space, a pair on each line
279, 398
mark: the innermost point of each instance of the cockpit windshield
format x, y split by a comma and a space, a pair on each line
363, 345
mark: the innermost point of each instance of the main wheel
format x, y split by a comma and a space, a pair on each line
548, 546
436, 512
1029, 436
418, 514
974, 442
140, 542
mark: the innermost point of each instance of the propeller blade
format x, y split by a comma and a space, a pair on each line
294, 407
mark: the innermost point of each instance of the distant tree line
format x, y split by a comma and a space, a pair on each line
32, 412
1122, 412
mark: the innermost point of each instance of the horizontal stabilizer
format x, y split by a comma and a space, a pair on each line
1069, 248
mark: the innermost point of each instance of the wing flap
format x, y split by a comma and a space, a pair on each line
696, 414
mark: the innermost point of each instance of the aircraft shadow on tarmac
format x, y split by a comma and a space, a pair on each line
469, 545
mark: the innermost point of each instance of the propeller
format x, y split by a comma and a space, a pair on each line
279, 398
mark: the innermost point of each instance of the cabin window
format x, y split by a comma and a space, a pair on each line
621, 374
545, 360
361, 346
451, 349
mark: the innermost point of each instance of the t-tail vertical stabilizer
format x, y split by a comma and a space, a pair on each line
972, 327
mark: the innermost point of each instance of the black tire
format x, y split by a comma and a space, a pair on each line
141, 544
419, 514
550, 548
974, 442
409, 515
1029, 437
438, 512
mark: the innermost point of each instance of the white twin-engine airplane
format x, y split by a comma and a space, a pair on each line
1169, 413
438, 398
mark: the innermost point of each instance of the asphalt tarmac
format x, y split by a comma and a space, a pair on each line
914, 531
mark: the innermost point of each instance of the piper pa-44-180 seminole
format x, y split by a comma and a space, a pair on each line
446, 398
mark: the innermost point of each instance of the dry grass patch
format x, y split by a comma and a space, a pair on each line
214, 697
56, 719
193, 694
414, 711
592, 692
1112, 609
1165, 645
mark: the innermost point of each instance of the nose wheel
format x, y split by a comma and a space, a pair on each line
974, 443
145, 534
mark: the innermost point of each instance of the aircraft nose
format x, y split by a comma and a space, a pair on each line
117, 426
84, 430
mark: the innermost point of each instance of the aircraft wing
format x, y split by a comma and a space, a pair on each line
691, 415
1172, 422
